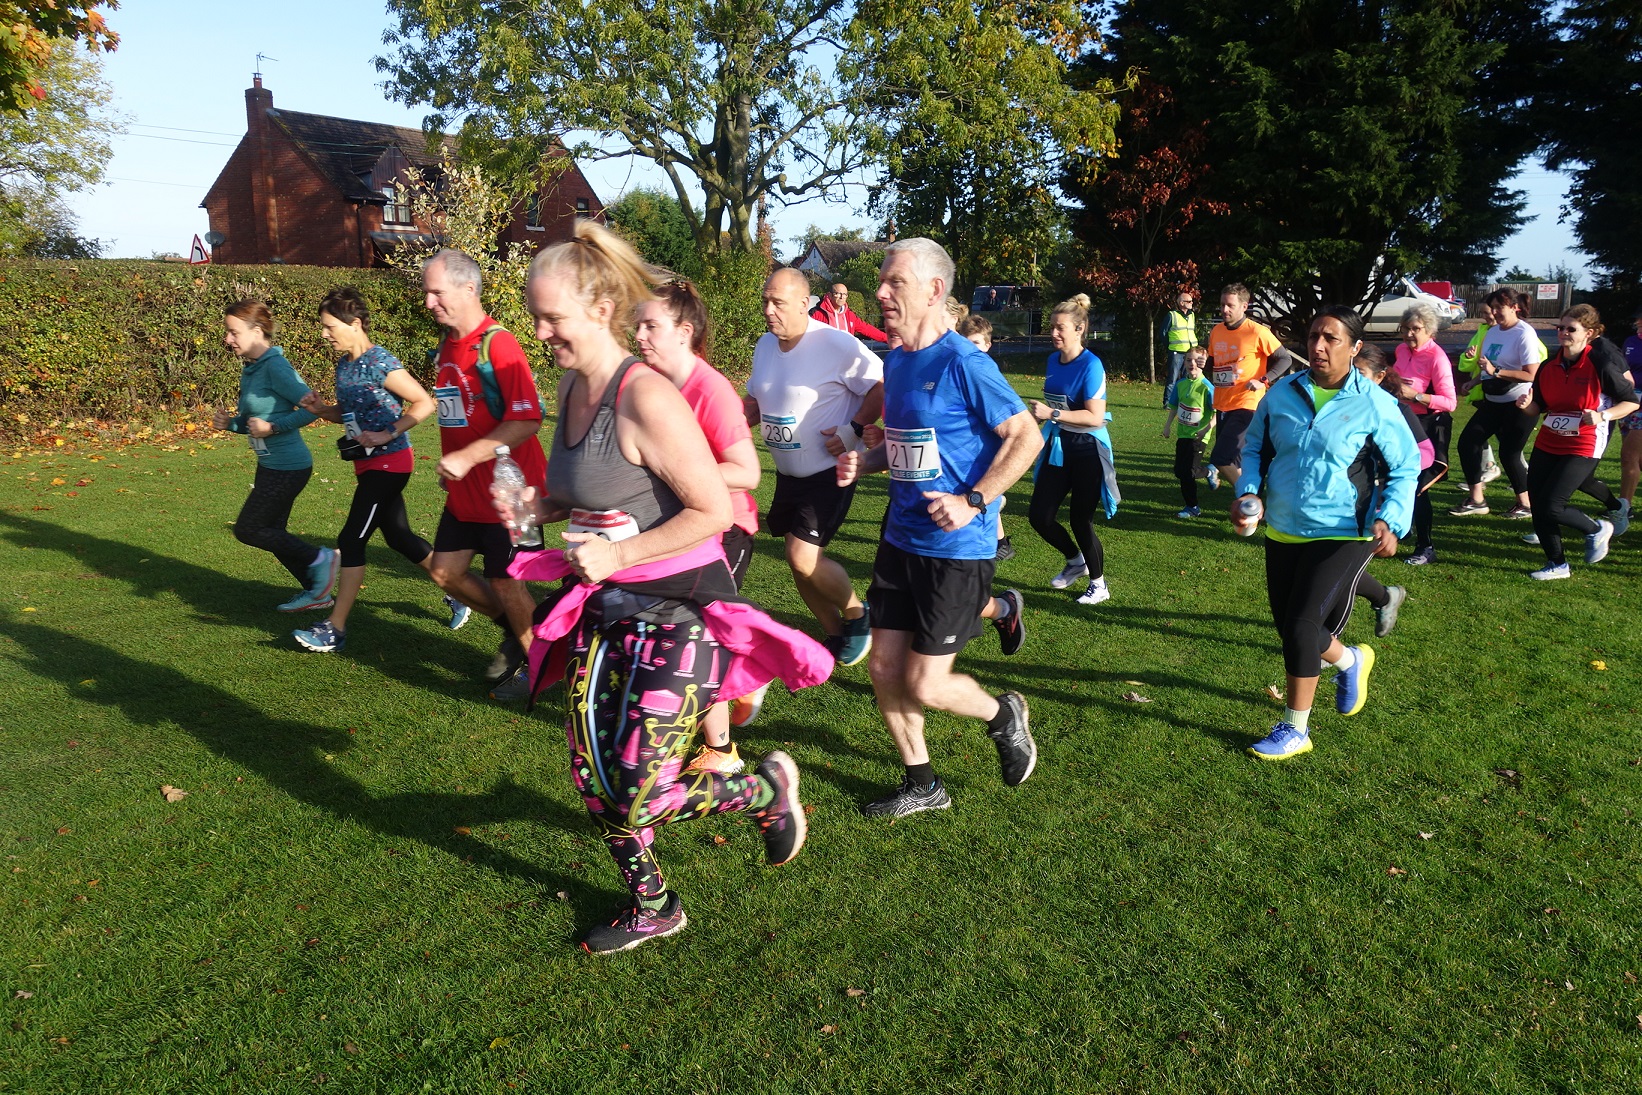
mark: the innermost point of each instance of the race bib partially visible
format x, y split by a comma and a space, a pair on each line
350, 426
1058, 402
913, 455
781, 432
1565, 424
452, 408
259, 445
1224, 377
1189, 416
612, 524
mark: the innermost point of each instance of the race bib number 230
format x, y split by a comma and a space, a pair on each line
913, 455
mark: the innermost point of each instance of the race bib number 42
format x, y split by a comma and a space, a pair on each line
781, 432
913, 455
1224, 377
452, 411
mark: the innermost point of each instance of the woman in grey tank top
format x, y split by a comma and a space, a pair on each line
625, 469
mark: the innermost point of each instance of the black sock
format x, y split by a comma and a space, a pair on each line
921, 775
500, 620
725, 748
1001, 719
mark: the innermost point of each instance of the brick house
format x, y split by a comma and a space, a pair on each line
323, 191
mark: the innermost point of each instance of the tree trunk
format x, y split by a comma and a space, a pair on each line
1151, 344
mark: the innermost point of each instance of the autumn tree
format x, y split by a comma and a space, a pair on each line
29, 33
733, 100
1137, 210
1352, 139
57, 148
976, 118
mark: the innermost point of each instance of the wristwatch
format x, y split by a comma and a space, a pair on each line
974, 498
1054, 415
859, 429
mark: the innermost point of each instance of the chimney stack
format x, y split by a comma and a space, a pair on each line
264, 242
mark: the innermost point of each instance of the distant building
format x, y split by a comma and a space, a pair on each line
323, 191
826, 256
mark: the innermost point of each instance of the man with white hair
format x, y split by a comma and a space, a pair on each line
486, 399
956, 436
813, 387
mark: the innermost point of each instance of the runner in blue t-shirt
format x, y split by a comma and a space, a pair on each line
1077, 455
956, 436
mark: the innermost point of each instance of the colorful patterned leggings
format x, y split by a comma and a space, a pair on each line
636, 692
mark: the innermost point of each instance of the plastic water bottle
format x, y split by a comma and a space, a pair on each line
1252, 510
511, 478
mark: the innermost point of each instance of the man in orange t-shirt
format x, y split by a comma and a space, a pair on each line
1244, 358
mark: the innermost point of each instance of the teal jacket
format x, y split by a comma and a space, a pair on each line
1331, 473
269, 389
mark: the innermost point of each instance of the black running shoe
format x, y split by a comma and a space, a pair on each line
782, 822
1012, 629
1006, 550
635, 925
1017, 752
510, 655
909, 799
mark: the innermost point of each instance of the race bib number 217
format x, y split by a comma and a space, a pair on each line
914, 456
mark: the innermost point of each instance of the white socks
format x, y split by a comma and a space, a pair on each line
1347, 659
1297, 719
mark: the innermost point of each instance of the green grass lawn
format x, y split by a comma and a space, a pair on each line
377, 877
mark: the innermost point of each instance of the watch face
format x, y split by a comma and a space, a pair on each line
975, 499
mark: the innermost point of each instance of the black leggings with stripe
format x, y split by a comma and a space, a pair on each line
1311, 586
379, 503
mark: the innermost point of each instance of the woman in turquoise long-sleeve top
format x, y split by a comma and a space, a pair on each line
269, 391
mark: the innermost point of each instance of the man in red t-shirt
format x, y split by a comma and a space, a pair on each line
469, 435
834, 311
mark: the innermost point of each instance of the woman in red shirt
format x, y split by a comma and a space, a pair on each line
1579, 391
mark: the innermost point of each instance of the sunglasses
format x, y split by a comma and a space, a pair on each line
1569, 330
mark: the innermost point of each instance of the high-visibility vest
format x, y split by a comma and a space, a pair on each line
1181, 334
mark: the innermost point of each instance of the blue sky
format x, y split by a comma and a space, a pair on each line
183, 66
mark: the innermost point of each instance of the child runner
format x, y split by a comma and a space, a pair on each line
1191, 403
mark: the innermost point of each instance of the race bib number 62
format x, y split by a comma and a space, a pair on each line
913, 455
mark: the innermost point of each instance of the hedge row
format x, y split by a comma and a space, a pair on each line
124, 339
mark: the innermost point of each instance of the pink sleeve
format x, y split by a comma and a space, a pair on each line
719, 411
1443, 396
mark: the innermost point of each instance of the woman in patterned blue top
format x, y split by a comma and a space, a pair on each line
377, 401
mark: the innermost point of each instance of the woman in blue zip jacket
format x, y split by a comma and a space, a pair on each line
269, 391
1338, 467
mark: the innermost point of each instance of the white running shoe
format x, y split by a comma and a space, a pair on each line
1596, 544
1072, 573
1096, 593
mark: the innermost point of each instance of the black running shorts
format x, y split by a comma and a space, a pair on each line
810, 507
938, 600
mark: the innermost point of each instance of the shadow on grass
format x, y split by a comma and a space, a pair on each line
290, 754
417, 658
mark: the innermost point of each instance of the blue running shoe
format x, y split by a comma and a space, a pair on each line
322, 574
1213, 477
1351, 685
856, 641
321, 638
1621, 518
1283, 742
306, 600
459, 613
1596, 544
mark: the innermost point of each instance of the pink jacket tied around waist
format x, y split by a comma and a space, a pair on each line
761, 650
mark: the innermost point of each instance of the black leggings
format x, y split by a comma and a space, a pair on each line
1512, 427
262, 519
379, 503
1552, 480
1311, 586
1439, 427
1372, 590
1082, 475
1188, 467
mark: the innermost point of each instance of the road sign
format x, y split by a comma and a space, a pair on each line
197, 254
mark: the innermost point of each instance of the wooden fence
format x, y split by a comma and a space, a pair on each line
1548, 299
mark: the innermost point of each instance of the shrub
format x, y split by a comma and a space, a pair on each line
732, 286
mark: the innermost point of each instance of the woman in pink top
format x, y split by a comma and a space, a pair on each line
672, 337
1424, 380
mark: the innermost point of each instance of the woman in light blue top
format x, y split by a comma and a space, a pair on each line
1077, 452
268, 414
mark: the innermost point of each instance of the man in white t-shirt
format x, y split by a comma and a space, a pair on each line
812, 384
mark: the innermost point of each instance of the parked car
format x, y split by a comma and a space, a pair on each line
1387, 315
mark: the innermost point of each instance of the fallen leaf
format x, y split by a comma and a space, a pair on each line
1630, 978
464, 830
498, 1043
64, 830
1136, 697
1274, 692
24, 994
349, 1047
855, 992
829, 1029
719, 840
1599, 665
31, 608
88, 680
562, 896
1427, 836
1569, 985
57, 482
1137, 684
172, 794
1395, 871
